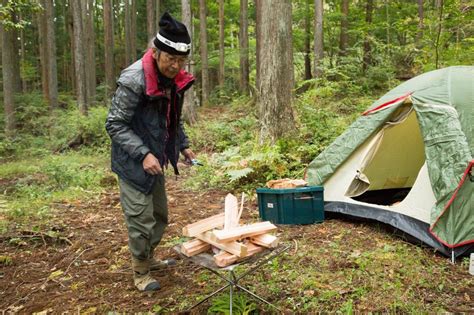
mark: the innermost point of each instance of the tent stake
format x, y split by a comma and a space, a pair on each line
452, 256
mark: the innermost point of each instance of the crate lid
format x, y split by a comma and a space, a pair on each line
289, 190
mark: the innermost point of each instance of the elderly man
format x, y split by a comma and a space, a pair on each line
144, 123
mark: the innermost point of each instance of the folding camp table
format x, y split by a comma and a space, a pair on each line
207, 261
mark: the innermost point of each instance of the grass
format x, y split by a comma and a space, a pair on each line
31, 187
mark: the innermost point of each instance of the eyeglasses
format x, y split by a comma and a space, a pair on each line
181, 60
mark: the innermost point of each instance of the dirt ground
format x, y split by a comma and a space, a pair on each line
82, 263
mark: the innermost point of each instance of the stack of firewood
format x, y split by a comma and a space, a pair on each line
224, 232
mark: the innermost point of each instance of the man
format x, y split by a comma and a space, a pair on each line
144, 123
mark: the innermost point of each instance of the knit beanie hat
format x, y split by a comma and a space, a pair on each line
173, 36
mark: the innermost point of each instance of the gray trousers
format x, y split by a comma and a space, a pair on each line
146, 217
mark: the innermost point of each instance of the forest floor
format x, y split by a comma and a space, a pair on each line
78, 261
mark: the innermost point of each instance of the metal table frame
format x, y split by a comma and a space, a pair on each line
232, 280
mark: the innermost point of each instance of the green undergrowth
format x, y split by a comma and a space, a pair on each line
341, 271
226, 138
32, 187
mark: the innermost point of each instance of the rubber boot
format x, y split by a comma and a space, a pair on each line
141, 276
156, 264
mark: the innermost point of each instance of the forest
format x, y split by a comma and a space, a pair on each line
277, 81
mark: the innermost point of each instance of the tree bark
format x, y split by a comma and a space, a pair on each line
133, 29
43, 54
157, 14
318, 38
258, 35
150, 19
109, 47
221, 44
203, 48
90, 51
70, 30
344, 27
79, 53
128, 32
189, 108
24, 83
8, 59
274, 96
367, 58
52, 70
307, 42
244, 47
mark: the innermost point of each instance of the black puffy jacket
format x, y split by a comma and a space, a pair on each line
143, 118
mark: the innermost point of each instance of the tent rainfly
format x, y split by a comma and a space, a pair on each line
408, 161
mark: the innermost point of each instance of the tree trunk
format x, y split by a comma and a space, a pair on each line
221, 44
109, 47
8, 59
318, 38
244, 47
203, 46
79, 53
367, 59
189, 109
419, 34
128, 33
157, 14
24, 83
133, 29
16, 64
52, 70
150, 19
70, 30
258, 35
274, 95
307, 42
344, 27
90, 51
43, 54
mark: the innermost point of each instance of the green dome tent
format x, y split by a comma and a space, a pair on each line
408, 161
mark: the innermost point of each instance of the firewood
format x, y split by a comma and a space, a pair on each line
194, 247
233, 247
231, 212
193, 229
265, 240
224, 258
244, 231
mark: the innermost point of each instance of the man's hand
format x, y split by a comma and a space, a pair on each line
151, 165
188, 155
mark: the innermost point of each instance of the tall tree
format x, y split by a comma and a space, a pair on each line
157, 14
344, 27
51, 55
258, 35
43, 53
109, 47
133, 29
318, 38
189, 109
88, 31
150, 19
307, 42
9, 56
244, 47
203, 47
79, 55
221, 43
274, 96
367, 58
128, 32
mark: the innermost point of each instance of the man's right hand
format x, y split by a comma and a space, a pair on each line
151, 165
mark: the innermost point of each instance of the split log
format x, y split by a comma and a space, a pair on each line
224, 258
265, 240
193, 229
231, 212
244, 231
194, 247
233, 247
